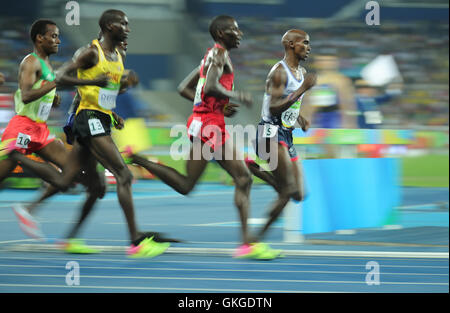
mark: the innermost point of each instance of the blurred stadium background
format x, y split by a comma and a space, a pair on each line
377, 184
169, 38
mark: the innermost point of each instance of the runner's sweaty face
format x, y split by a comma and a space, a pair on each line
120, 28
232, 35
50, 40
302, 47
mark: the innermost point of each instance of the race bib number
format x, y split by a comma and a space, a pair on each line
198, 91
95, 126
194, 128
23, 140
269, 130
290, 116
44, 110
107, 98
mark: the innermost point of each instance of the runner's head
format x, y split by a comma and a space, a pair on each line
225, 30
114, 23
297, 41
45, 36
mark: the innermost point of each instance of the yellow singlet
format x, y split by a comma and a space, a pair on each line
96, 98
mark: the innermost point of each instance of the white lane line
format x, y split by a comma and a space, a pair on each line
229, 252
278, 244
20, 240
231, 262
213, 270
137, 197
220, 279
165, 288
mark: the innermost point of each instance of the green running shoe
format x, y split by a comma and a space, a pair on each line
266, 252
6, 147
77, 246
147, 248
247, 251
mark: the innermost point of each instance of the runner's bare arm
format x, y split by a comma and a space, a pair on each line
129, 80
277, 82
118, 122
188, 86
212, 85
28, 76
56, 101
66, 75
275, 88
303, 122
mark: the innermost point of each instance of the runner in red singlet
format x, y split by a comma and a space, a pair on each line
210, 87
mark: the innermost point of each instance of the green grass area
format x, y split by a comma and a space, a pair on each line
421, 171
425, 171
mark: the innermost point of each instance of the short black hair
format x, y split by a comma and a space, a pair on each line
219, 23
109, 16
39, 27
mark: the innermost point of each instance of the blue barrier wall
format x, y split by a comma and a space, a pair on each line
349, 193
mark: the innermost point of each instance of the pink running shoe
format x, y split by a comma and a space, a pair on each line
243, 251
249, 161
127, 152
28, 223
7, 146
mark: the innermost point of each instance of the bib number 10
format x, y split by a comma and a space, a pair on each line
23, 140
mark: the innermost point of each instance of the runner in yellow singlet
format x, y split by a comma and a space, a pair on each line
92, 126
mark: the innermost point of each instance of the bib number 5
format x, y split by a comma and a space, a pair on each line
269, 130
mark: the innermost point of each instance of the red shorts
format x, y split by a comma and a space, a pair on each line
209, 127
31, 136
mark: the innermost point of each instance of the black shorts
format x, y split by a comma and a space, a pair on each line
283, 137
91, 123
